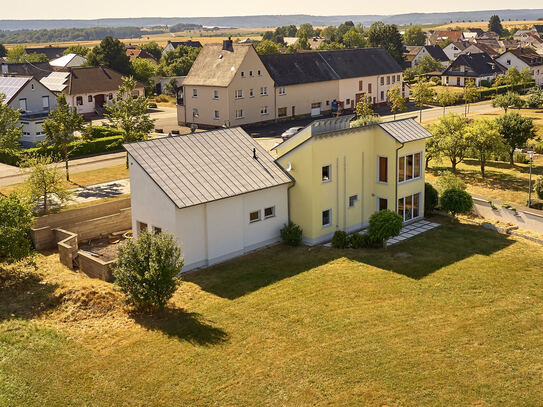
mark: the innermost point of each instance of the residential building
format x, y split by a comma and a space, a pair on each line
434, 51
479, 48
33, 100
133, 53
314, 42
524, 58
343, 175
435, 37
49, 51
455, 48
171, 45
69, 61
37, 70
538, 28
88, 89
219, 193
474, 67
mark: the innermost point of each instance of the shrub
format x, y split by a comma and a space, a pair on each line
384, 225
447, 180
456, 201
431, 198
538, 148
520, 158
485, 83
97, 132
152, 105
361, 241
340, 240
434, 80
146, 270
291, 234
538, 187
15, 222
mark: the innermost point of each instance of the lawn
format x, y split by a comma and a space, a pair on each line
451, 317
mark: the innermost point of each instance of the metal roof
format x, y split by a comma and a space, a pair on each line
10, 86
56, 81
203, 167
405, 130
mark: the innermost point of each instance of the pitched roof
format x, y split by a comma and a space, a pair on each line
49, 51
203, 167
134, 53
538, 28
188, 43
36, 69
528, 56
66, 60
11, 86
480, 48
405, 130
436, 52
308, 67
480, 63
215, 66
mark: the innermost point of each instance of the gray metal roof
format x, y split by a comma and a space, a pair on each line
405, 130
10, 86
202, 167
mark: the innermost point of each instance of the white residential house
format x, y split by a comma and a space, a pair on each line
455, 48
69, 61
218, 192
33, 100
522, 58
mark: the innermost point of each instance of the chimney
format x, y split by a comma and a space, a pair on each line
227, 45
4, 69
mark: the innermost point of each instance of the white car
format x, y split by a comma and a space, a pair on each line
290, 132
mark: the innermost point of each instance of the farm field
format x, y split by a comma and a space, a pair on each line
450, 317
484, 25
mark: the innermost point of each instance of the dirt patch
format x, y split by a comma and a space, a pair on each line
104, 248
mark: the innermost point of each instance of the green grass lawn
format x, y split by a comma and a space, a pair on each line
452, 317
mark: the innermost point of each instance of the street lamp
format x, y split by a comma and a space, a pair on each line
531, 154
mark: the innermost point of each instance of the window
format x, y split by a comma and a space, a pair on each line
194, 93
360, 85
352, 200
282, 91
398, 78
388, 80
326, 218
316, 105
382, 170
264, 91
508, 62
89, 98
32, 86
251, 93
254, 216
22, 104
142, 227
238, 94
242, 74
382, 95
282, 112
264, 110
45, 102
195, 113
382, 204
259, 73
382, 80
326, 173
216, 94
239, 114
327, 103
157, 230
393, 78
348, 102
110, 96
216, 115
409, 167
408, 207
269, 212
250, 73
369, 87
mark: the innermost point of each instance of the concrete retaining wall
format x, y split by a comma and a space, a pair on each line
523, 218
67, 247
94, 267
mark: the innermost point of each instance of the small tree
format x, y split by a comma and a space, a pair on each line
470, 94
456, 201
15, 222
526, 76
512, 77
10, 130
484, 138
384, 225
146, 270
535, 98
431, 198
363, 108
143, 70
44, 182
446, 98
450, 136
428, 64
538, 187
396, 100
422, 94
516, 131
507, 100
60, 127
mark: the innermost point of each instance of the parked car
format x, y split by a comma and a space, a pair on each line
290, 132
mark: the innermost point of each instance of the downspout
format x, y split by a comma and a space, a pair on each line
288, 200
396, 179
185, 99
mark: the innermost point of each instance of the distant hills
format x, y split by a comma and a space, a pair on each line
276, 20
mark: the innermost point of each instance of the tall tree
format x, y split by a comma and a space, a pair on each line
60, 126
450, 135
388, 37
267, 47
18, 54
3, 51
470, 94
15, 223
111, 53
77, 49
428, 64
354, 39
516, 131
396, 100
306, 30
422, 94
414, 36
10, 130
446, 98
495, 25
143, 70
484, 138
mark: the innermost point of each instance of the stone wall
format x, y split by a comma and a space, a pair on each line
67, 247
94, 267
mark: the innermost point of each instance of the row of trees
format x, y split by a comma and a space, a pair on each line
68, 34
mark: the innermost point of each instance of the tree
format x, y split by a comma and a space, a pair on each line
363, 108
3, 51
388, 37
446, 98
267, 47
450, 135
77, 49
456, 201
507, 100
143, 70
448, 180
484, 138
396, 100
171, 87
535, 98
146, 270
18, 54
152, 48
384, 225
428, 64
516, 131
306, 30
44, 182
414, 36
495, 25
470, 94
10, 130
111, 52
326, 46
512, 77
291, 234
526, 76
60, 126
422, 94
15, 222
354, 39
178, 62
431, 198
330, 33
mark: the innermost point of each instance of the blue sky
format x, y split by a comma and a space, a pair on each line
40, 9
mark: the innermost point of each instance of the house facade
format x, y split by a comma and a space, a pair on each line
455, 48
433, 51
524, 58
471, 67
33, 100
172, 45
343, 175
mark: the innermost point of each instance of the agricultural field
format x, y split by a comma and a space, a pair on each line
484, 25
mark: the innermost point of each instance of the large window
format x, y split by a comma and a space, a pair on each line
45, 102
264, 91
326, 173
282, 91
22, 104
382, 170
408, 207
326, 218
409, 167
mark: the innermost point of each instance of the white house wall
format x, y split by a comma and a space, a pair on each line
509, 60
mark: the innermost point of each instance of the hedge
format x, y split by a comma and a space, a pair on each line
96, 132
79, 148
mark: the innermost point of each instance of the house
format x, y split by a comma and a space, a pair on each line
478, 48
133, 53
475, 67
491, 46
33, 100
522, 58
69, 61
434, 51
343, 175
533, 41
50, 52
455, 48
218, 192
232, 85
434, 37
172, 45
88, 89
538, 28
37, 70
314, 42
521, 35
409, 53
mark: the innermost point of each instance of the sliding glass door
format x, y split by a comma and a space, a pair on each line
409, 207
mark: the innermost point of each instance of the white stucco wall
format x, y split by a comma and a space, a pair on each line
509, 60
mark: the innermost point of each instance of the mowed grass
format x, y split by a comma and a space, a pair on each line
451, 317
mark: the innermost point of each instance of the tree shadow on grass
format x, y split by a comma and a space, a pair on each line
183, 325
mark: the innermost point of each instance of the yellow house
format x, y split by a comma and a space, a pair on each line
343, 175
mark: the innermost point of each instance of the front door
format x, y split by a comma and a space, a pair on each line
99, 100
293, 111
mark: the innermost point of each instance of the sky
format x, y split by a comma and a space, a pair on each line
64, 9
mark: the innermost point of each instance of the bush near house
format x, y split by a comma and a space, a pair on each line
384, 225
291, 234
456, 201
15, 221
97, 132
431, 198
340, 240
